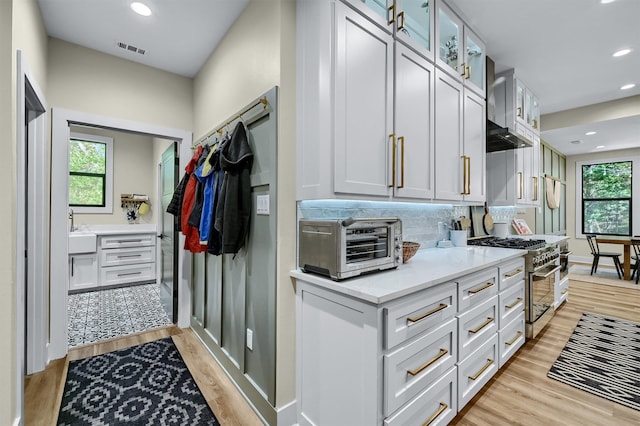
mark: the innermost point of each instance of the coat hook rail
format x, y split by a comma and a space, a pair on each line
261, 101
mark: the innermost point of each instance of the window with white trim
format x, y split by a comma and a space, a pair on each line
90, 173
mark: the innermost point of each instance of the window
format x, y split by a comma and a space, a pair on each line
606, 198
90, 173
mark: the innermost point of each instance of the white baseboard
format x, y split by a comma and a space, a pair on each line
287, 414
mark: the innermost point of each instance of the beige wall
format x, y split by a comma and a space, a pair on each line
85, 80
134, 172
256, 54
580, 247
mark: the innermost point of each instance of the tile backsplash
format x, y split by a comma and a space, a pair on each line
419, 221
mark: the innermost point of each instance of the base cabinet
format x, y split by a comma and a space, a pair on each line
415, 360
83, 271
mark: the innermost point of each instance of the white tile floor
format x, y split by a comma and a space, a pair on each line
104, 314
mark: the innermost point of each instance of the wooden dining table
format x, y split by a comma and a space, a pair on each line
626, 242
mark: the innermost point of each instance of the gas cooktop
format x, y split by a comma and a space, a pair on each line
513, 243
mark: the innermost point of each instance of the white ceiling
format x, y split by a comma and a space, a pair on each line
562, 50
178, 37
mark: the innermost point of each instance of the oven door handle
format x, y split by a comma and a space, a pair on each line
565, 254
547, 273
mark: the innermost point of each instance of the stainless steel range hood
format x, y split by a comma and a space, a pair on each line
499, 138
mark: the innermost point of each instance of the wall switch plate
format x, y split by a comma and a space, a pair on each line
263, 204
249, 339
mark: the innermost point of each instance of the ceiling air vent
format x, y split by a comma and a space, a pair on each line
131, 48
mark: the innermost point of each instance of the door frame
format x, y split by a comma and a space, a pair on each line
31, 190
61, 120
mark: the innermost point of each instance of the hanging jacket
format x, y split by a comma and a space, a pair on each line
175, 205
196, 210
204, 174
192, 240
214, 243
234, 206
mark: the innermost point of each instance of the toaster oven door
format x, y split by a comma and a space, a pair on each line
368, 246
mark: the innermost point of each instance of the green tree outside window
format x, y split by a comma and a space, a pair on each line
606, 198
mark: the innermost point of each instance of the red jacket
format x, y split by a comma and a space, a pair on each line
192, 241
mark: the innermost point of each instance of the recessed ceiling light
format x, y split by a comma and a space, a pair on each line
590, 133
141, 9
578, 142
599, 146
628, 86
606, 1
622, 52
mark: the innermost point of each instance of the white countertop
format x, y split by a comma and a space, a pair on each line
427, 268
117, 229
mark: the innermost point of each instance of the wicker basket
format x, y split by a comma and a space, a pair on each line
409, 249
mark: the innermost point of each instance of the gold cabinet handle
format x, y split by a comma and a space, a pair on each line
400, 18
464, 175
426, 314
467, 72
392, 136
401, 141
442, 353
484, 287
519, 112
521, 188
435, 415
481, 326
535, 188
535, 123
391, 18
468, 175
518, 300
482, 370
512, 341
513, 274
464, 69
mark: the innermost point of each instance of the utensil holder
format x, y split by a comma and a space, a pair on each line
459, 238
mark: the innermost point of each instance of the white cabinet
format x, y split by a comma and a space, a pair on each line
126, 258
511, 332
460, 51
460, 134
561, 291
83, 271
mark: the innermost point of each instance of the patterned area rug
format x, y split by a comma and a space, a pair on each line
143, 385
602, 357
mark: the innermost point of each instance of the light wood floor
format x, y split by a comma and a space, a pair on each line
43, 391
522, 394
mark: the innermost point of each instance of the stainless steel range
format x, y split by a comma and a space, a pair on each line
541, 263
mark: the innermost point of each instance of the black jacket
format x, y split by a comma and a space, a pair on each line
234, 204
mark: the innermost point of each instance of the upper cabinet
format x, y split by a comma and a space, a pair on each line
459, 51
517, 106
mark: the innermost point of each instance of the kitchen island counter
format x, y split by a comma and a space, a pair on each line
429, 267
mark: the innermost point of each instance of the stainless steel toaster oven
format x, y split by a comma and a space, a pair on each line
343, 248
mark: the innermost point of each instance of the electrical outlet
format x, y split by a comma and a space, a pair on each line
249, 339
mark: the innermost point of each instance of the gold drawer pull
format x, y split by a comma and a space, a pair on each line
512, 341
435, 415
481, 326
478, 290
426, 314
482, 370
518, 300
442, 353
513, 274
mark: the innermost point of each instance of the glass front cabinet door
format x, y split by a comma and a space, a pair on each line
520, 90
449, 39
414, 25
474, 62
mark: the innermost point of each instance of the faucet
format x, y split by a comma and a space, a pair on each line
71, 228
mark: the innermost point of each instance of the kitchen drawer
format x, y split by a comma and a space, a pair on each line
476, 326
477, 288
127, 240
414, 314
511, 338
475, 371
511, 273
436, 405
127, 274
127, 256
411, 368
510, 303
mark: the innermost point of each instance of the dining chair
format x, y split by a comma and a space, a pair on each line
597, 254
635, 243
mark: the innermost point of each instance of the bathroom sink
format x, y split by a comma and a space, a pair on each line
82, 242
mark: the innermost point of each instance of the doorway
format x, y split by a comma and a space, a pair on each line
61, 122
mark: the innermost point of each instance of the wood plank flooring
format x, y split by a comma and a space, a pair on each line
522, 394
43, 391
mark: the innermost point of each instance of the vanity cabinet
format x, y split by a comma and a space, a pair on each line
460, 134
127, 258
83, 271
416, 359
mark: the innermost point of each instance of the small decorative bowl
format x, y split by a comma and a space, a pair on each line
409, 249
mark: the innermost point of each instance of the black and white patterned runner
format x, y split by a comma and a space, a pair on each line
602, 357
147, 384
